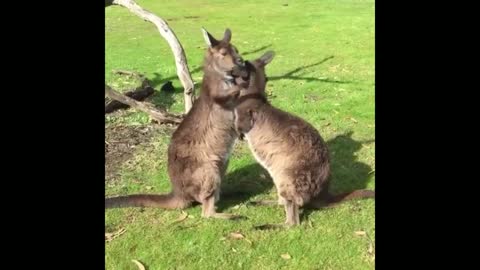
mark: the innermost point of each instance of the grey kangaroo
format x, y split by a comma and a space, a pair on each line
289, 148
200, 147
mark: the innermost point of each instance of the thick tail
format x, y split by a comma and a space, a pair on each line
333, 200
166, 201
356, 194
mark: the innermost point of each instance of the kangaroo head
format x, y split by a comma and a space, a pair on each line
253, 97
222, 57
257, 78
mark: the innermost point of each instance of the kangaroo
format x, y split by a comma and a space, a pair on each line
289, 148
199, 149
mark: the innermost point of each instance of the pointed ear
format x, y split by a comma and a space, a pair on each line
266, 58
209, 39
227, 36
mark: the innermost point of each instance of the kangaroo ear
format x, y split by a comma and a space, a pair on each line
227, 36
266, 58
209, 39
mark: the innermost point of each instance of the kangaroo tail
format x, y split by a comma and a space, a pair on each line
356, 194
333, 200
166, 201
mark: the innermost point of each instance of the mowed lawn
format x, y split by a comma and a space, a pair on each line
323, 71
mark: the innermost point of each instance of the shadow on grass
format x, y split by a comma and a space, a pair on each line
291, 75
348, 174
242, 184
255, 51
164, 99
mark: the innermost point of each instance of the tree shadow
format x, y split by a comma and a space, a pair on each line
157, 80
242, 184
255, 50
160, 98
291, 74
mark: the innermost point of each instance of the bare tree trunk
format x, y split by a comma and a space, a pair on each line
162, 117
177, 49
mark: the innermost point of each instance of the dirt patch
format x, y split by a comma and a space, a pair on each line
121, 142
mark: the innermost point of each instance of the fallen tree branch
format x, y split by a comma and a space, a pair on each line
156, 114
177, 49
140, 93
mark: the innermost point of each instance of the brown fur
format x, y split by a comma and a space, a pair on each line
290, 149
200, 147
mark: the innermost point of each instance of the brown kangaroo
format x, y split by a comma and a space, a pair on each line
199, 149
291, 149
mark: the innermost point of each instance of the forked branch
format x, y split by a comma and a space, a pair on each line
177, 49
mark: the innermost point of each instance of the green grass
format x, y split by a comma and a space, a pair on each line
323, 71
